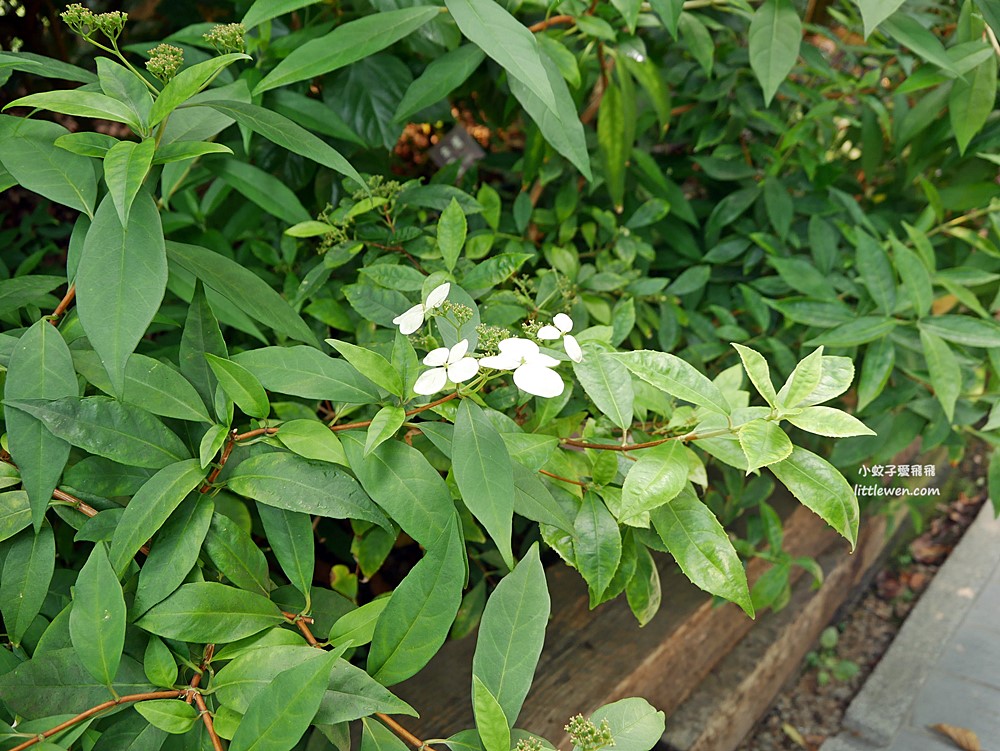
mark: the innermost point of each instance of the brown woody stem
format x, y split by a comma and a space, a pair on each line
206, 717
561, 479
543, 25
64, 303
402, 732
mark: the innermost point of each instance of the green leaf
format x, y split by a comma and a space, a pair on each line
358, 626
118, 82
669, 12
491, 723
993, 481
779, 206
280, 714
80, 104
612, 145
125, 167
829, 422
209, 612
802, 381
874, 12
313, 440
244, 289
484, 476
511, 634
15, 513
307, 372
384, 425
265, 10
440, 78
971, 102
371, 365
285, 133
634, 724
189, 82
29, 154
967, 330
673, 375
201, 336
150, 508
236, 556
41, 367
914, 276
346, 44
27, 571
597, 544
451, 231
290, 535
656, 478
158, 663
87, 144
120, 281
821, 488
263, 189
910, 32
179, 151
695, 35
97, 620
775, 34
880, 358
417, 619
702, 549
759, 372
377, 737
169, 715
533, 500
240, 385
174, 551
859, 331
764, 442
288, 481
401, 480
130, 732
643, 589
108, 428
944, 370
875, 272
608, 384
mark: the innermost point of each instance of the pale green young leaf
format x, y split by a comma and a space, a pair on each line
125, 167
763, 442
511, 634
676, 377
944, 370
491, 723
358, 626
24, 582
820, 487
120, 281
802, 381
597, 544
371, 365
484, 476
209, 612
87, 144
189, 82
158, 663
97, 620
451, 231
643, 589
829, 422
774, 37
211, 443
702, 549
656, 478
313, 440
440, 78
384, 425
759, 372
240, 385
635, 724
169, 715
290, 535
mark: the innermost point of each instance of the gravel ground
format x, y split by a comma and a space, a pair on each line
806, 712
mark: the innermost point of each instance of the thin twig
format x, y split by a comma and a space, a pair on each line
206, 717
63, 304
562, 479
196, 678
173, 694
402, 732
543, 25
217, 470
618, 447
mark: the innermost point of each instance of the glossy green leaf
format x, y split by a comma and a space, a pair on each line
307, 372
401, 480
130, 732
611, 142
265, 10
29, 154
880, 358
702, 549
263, 189
484, 475
774, 36
15, 513
87, 144
676, 377
280, 715
966, 330
491, 723
764, 442
829, 422
40, 367
384, 425
451, 232
533, 500
440, 78
971, 101
802, 381
27, 571
634, 723
180, 151
358, 626
120, 281
288, 481
759, 372
150, 508
944, 370
608, 383
511, 634
109, 428
643, 589
235, 555
874, 12
79, 104
371, 365
240, 385
597, 544
417, 619
158, 663
820, 487
290, 535
189, 82
243, 288
125, 167
201, 336
347, 43
97, 620
656, 478
169, 715
313, 440
210, 612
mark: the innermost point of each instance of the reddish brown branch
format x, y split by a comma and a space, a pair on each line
206, 717
616, 447
402, 732
217, 470
196, 678
555, 20
173, 694
300, 621
63, 304
562, 479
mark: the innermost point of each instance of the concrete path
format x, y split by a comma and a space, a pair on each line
944, 666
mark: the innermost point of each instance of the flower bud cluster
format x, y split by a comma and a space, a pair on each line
85, 22
529, 744
164, 61
588, 736
227, 37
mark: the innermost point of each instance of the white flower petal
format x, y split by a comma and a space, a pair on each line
437, 296
458, 351
563, 322
437, 357
463, 370
500, 362
573, 348
544, 360
411, 320
549, 332
538, 380
517, 347
431, 381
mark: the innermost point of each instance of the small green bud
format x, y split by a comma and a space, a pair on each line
490, 338
529, 744
587, 736
227, 37
79, 19
164, 61
460, 313
111, 24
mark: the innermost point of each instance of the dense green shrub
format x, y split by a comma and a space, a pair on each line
668, 190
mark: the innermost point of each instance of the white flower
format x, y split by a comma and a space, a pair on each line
413, 318
532, 370
563, 325
446, 365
